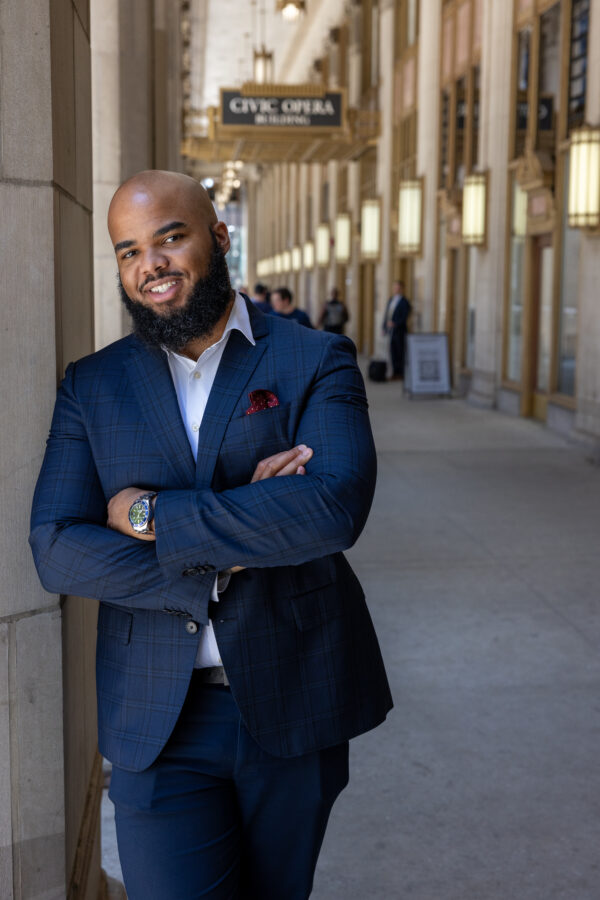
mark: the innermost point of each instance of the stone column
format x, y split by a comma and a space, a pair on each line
588, 343
46, 646
428, 137
385, 151
496, 80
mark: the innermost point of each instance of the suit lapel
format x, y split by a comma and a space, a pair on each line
155, 393
238, 362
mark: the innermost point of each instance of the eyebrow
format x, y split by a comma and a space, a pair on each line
123, 245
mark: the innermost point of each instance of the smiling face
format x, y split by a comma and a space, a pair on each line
163, 228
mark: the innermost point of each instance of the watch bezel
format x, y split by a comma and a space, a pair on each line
145, 502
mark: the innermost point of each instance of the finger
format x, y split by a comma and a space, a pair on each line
273, 465
292, 467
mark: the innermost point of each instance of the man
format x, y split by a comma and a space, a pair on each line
261, 298
395, 325
282, 301
334, 315
235, 654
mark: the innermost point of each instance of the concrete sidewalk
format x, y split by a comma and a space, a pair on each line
481, 568
480, 562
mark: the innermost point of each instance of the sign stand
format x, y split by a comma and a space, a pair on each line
428, 365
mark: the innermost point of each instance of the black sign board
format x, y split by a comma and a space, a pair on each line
240, 110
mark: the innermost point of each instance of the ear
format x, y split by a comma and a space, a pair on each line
221, 232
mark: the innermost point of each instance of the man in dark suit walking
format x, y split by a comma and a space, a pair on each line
395, 325
201, 480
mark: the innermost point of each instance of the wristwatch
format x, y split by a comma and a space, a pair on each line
141, 513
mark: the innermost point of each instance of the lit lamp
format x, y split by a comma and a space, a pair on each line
263, 66
278, 264
370, 229
474, 210
410, 217
584, 178
323, 245
309, 255
519, 215
343, 242
291, 9
286, 261
296, 259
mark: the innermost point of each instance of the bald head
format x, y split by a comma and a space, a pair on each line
154, 185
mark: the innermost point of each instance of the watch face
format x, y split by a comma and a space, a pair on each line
138, 513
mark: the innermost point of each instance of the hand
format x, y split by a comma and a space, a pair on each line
118, 513
288, 462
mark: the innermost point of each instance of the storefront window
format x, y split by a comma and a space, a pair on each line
475, 129
549, 76
522, 90
515, 305
411, 22
569, 292
461, 124
444, 138
470, 307
442, 275
580, 23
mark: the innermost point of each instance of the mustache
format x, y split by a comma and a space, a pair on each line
151, 278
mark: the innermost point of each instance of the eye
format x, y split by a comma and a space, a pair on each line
128, 254
173, 237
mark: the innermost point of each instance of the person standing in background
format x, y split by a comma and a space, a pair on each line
395, 326
283, 305
334, 314
260, 298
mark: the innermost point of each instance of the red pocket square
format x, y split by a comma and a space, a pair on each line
261, 399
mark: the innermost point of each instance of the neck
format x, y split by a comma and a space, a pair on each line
196, 347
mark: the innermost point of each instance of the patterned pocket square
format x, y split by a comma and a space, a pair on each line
261, 399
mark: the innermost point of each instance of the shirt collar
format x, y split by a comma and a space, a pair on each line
238, 319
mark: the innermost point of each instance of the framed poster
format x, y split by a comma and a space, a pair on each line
427, 364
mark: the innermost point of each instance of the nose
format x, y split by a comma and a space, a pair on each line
153, 260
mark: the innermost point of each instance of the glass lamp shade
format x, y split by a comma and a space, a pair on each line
263, 66
474, 211
309, 255
370, 229
343, 244
323, 245
291, 9
296, 259
519, 214
410, 217
584, 178
278, 264
286, 261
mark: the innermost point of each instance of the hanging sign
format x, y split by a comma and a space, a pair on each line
241, 110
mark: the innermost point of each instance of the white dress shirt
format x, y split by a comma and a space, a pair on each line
193, 383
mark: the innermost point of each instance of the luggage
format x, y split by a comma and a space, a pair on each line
377, 370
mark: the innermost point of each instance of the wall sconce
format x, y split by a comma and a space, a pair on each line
296, 259
323, 245
309, 255
263, 66
584, 178
286, 261
343, 238
519, 212
370, 229
410, 217
291, 9
278, 264
474, 210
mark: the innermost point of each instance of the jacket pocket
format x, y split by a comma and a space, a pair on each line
316, 596
115, 623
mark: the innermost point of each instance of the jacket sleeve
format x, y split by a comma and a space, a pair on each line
74, 551
285, 520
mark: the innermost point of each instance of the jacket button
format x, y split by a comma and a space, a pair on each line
191, 571
191, 627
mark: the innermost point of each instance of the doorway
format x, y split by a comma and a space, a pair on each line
537, 367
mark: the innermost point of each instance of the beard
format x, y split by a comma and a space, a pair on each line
205, 306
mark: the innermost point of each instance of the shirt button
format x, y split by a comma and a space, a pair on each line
195, 427
191, 627
196, 375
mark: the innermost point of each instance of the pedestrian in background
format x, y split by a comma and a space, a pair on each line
282, 300
334, 314
261, 298
395, 326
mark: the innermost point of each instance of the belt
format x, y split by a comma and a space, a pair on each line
211, 675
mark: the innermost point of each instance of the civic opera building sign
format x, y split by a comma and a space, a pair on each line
241, 110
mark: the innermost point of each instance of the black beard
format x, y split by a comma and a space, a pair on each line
207, 304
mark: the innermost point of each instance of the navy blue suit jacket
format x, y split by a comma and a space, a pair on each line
293, 629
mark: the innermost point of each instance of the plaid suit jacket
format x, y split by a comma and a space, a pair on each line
293, 629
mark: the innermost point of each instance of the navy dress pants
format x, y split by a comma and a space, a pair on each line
217, 817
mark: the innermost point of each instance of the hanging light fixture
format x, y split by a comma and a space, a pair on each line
410, 217
296, 259
584, 178
323, 244
291, 9
343, 238
474, 210
263, 66
370, 229
309, 255
286, 261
